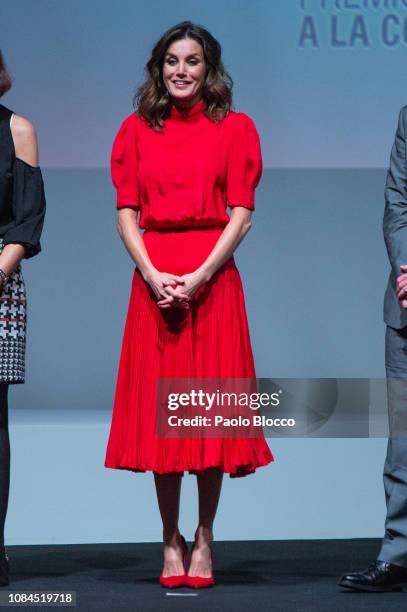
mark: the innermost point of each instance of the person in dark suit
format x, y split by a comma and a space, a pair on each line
389, 571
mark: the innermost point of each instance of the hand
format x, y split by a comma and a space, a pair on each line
190, 284
162, 284
175, 297
401, 287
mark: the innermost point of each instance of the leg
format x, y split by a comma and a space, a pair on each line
394, 545
209, 488
168, 488
389, 571
4, 459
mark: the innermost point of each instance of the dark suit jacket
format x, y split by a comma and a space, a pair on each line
395, 222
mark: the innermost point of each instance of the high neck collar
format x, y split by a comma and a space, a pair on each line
189, 114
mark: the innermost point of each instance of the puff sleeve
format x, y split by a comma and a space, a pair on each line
28, 206
124, 163
245, 164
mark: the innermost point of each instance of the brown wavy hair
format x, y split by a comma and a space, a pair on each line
5, 78
152, 100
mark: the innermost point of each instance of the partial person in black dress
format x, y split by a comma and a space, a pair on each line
22, 210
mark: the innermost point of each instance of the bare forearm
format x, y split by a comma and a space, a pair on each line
227, 243
129, 232
10, 257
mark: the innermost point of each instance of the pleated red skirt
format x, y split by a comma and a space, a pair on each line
210, 340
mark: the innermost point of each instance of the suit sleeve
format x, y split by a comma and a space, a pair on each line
245, 164
124, 164
395, 212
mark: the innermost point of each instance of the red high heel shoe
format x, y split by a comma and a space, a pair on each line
197, 582
171, 582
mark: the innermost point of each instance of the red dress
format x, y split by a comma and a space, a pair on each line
181, 180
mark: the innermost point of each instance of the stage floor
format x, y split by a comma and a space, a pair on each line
256, 576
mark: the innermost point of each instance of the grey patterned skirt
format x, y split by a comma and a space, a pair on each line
13, 322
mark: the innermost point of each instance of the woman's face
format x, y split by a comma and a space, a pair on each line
184, 71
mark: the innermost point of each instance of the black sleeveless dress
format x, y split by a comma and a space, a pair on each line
22, 211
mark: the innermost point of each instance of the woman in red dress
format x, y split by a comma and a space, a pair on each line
177, 164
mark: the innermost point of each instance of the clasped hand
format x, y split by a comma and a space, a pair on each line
401, 287
174, 291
